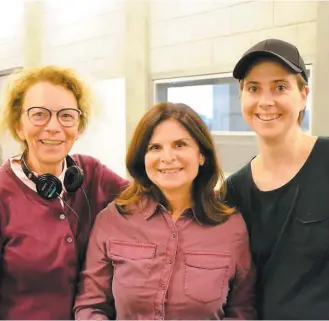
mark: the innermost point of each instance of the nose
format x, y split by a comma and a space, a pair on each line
167, 155
53, 124
266, 99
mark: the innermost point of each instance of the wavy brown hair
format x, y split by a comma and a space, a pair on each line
207, 207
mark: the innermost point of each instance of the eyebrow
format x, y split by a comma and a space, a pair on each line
175, 141
273, 81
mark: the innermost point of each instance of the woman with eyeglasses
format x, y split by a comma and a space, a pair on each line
48, 200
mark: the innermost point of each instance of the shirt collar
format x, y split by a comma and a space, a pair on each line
150, 207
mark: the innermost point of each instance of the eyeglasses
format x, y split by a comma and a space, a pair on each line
40, 116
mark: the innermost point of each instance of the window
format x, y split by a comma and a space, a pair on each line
215, 98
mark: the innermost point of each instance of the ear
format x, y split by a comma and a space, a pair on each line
305, 92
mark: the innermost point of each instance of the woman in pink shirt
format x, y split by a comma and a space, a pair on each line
167, 248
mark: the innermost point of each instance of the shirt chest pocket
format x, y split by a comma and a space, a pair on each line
132, 262
206, 276
311, 234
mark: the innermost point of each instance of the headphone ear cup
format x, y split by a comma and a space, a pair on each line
48, 186
73, 179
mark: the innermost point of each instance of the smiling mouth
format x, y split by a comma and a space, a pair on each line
51, 142
268, 117
170, 171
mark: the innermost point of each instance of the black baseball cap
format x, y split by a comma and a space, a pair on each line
283, 51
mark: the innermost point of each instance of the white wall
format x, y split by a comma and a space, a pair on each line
194, 37
86, 35
11, 34
105, 137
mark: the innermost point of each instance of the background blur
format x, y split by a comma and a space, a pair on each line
138, 52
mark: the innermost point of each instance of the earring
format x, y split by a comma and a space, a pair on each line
202, 161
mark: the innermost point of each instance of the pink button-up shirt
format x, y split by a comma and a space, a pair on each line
144, 265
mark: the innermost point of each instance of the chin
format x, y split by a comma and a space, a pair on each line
269, 132
168, 188
269, 136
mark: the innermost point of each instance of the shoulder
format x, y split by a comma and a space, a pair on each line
6, 176
104, 216
321, 146
12, 191
240, 176
93, 169
323, 140
236, 184
86, 161
112, 213
143, 205
239, 227
238, 222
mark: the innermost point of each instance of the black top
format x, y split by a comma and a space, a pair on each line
289, 236
267, 226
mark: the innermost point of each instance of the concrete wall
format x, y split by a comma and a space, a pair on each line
86, 35
195, 37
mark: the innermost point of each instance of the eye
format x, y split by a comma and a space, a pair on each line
153, 147
39, 115
281, 88
180, 144
252, 89
66, 116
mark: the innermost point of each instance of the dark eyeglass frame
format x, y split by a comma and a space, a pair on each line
51, 114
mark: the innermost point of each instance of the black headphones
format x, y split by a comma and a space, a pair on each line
49, 186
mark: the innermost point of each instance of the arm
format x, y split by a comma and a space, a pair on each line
104, 185
236, 192
241, 298
111, 183
94, 300
228, 194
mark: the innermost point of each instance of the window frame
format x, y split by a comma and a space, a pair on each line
191, 79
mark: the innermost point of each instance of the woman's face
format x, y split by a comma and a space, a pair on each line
45, 133
173, 158
271, 100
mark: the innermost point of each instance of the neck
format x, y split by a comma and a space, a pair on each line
178, 202
273, 153
40, 168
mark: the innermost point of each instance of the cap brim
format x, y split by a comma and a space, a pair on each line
246, 61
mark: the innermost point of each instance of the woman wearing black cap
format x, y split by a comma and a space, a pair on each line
283, 192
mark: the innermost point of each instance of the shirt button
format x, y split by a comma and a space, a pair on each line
69, 239
62, 216
169, 261
174, 235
